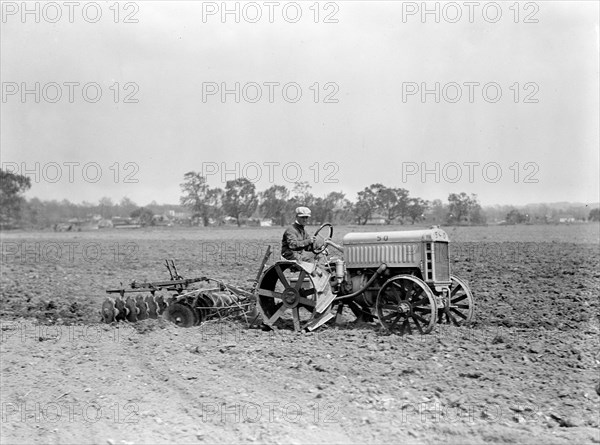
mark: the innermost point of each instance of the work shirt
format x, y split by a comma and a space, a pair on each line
295, 241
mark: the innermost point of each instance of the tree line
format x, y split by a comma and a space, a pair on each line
239, 202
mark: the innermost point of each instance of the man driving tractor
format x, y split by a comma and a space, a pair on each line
296, 243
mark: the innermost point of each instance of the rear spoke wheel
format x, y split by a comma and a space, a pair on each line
287, 296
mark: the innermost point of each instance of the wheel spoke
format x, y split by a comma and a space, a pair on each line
460, 314
307, 302
389, 306
408, 326
306, 292
460, 298
421, 302
461, 306
416, 294
390, 291
424, 310
403, 326
395, 321
276, 315
270, 293
398, 286
282, 277
414, 317
296, 318
388, 316
300, 279
455, 290
418, 317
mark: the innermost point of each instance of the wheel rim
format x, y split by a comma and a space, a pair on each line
287, 296
406, 305
180, 314
458, 307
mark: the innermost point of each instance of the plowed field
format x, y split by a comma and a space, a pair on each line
526, 371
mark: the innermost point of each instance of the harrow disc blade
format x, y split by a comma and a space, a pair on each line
161, 304
121, 310
152, 306
140, 303
108, 310
132, 314
180, 314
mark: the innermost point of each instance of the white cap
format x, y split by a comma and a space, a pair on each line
302, 211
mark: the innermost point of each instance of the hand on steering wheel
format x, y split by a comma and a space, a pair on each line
320, 245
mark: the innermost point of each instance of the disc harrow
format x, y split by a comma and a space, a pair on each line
184, 301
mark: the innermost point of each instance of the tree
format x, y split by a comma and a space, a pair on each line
214, 202
240, 199
416, 209
301, 195
390, 202
274, 203
12, 186
386, 202
438, 211
594, 215
464, 209
338, 208
126, 206
144, 216
515, 217
365, 205
196, 196
105, 206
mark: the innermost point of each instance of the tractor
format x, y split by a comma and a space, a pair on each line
400, 278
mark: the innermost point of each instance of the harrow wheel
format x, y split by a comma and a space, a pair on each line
405, 304
458, 307
284, 289
181, 314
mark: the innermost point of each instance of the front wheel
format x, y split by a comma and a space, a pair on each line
458, 307
405, 304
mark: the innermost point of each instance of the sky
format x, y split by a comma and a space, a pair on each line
106, 99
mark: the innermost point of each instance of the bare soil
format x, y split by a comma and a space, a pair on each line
526, 371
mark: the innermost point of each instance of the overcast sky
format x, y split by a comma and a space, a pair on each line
515, 118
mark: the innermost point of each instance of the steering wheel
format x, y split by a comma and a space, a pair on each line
328, 228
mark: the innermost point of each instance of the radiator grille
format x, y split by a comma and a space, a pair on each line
374, 255
442, 262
